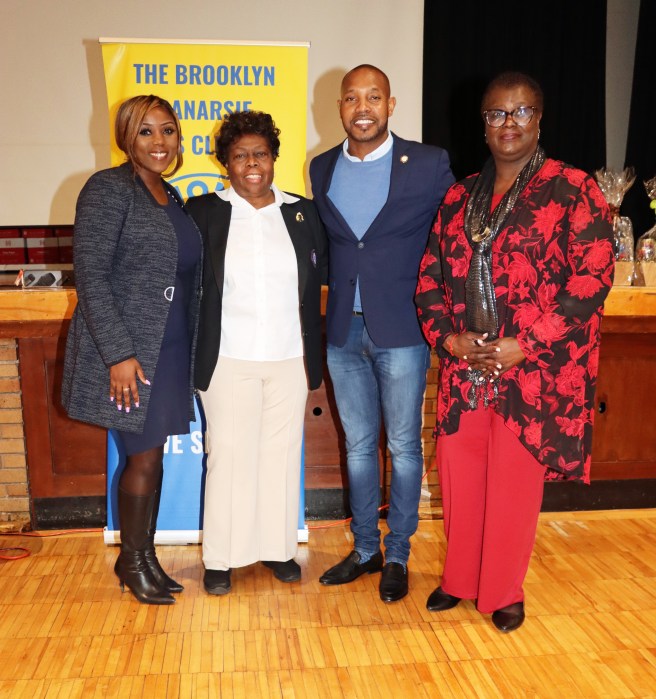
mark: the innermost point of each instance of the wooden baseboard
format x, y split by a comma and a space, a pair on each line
332, 503
69, 513
624, 494
600, 495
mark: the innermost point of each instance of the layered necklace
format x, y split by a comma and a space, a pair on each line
482, 227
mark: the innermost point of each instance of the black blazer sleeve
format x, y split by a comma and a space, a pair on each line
212, 216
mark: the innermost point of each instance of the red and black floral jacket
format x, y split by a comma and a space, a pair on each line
552, 269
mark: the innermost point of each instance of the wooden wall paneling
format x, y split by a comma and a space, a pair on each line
65, 458
325, 453
624, 438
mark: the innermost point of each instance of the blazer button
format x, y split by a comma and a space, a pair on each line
360, 245
352, 282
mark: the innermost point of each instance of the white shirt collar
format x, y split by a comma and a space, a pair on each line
280, 197
382, 150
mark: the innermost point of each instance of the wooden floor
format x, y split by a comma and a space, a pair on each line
67, 631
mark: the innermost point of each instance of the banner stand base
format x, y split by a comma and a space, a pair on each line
182, 537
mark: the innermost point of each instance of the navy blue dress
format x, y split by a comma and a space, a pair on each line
168, 408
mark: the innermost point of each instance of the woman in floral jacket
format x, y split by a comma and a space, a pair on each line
510, 294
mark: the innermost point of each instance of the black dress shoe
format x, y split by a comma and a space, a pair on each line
285, 571
217, 582
393, 582
350, 568
509, 618
440, 601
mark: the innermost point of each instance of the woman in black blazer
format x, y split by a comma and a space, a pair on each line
129, 351
259, 350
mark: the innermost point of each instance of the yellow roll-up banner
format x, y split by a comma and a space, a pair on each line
204, 82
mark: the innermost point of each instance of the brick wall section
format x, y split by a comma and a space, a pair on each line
14, 498
430, 505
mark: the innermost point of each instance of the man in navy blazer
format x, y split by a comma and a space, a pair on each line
377, 195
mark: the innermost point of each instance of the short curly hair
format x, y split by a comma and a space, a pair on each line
513, 78
240, 124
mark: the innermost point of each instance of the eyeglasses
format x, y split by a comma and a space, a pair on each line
497, 117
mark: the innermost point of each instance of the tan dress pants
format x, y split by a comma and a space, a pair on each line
254, 413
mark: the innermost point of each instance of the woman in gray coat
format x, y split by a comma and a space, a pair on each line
128, 365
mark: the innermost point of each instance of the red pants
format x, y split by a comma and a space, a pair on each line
492, 490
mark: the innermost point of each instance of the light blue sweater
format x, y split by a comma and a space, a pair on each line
359, 190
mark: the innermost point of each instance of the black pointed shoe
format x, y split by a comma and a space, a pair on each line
134, 512
217, 582
440, 601
509, 618
285, 571
350, 568
156, 570
393, 582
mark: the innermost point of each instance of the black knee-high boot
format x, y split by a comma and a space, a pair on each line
135, 513
156, 570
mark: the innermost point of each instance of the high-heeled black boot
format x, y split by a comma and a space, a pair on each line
156, 570
134, 512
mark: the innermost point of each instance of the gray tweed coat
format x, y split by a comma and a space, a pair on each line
125, 255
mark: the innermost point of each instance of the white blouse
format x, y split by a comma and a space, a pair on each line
260, 318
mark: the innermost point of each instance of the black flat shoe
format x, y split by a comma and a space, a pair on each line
393, 582
509, 618
440, 601
285, 571
217, 582
350, 568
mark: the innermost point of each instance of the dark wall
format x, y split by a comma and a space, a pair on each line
561, 43
641, 146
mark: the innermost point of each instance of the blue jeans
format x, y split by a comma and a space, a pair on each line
369, 380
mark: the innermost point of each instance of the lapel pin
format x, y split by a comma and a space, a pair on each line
299, 216
404, 159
